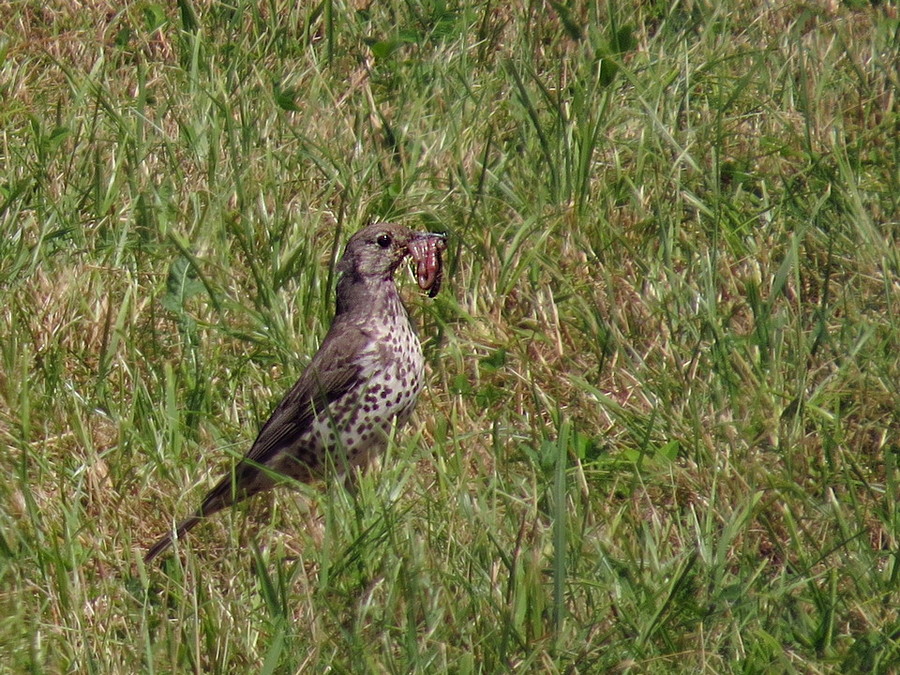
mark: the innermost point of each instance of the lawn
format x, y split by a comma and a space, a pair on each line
661, 430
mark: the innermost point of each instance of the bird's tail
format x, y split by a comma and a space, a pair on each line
221, 496
166, 541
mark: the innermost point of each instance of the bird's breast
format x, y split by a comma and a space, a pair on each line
357, 425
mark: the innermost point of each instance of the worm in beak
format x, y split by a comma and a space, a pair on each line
426, 250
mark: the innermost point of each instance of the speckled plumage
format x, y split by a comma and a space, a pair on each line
366, 377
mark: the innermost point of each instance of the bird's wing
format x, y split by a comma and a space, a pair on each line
330, 375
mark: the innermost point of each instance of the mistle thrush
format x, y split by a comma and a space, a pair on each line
364, 379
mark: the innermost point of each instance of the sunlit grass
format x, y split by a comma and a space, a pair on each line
661, 428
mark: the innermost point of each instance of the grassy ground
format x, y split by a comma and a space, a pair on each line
661, 432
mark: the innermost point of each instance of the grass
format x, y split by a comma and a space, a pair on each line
662, 428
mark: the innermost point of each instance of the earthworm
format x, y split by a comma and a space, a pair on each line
426, 251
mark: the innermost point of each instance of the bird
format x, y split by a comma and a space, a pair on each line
364, 379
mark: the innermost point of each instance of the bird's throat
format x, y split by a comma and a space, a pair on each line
366, 297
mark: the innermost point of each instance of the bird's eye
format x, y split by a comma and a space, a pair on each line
384, 240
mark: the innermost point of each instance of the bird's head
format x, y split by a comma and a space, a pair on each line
376, 251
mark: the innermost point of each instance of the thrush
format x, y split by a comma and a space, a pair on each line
363, 381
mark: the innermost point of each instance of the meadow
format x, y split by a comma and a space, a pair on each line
661, 430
